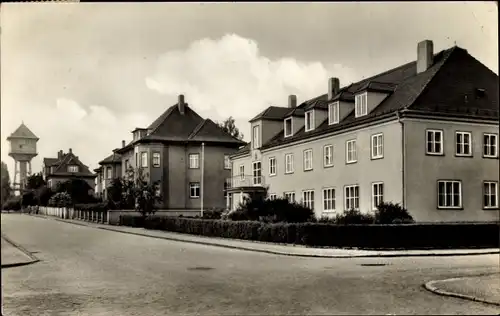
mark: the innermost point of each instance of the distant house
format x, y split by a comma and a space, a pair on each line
65, 167
110, 168
170, 151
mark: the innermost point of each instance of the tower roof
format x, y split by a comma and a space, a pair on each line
23, 132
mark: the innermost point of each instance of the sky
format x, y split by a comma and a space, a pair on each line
84, 75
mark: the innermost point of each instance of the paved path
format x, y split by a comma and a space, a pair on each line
88, 271
13, 256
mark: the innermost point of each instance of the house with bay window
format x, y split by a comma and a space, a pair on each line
423, 134
187, 154
109, 168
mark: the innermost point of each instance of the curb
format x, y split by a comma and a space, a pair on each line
33, 258
429, 286
208, 243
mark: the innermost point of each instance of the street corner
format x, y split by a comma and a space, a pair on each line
483, 288
13, 255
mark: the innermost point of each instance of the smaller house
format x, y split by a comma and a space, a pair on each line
65, 167
109, 168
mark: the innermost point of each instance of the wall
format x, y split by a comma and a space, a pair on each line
423, 171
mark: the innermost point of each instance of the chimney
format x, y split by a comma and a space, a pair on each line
123, 143
181, 104
70, 151
425, 55
292, 101
59, 154
333, 87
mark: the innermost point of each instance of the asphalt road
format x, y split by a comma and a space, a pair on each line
88, 271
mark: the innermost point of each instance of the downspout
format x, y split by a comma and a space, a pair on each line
403, 158
202, 176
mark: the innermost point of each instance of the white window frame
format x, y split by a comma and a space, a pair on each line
333, 113
290, 196
433, 142
156, 159
309, 120
242, 172
289, 168
329, 201
144, 159
272, 166
491, 192
308, 159
72, 168
227, 162
256, 137
328, 155
490, 146
273, 196
257, 173
109, 173
453, 182
377, 146
377, 194
460, 145
194, 186
291, 126
194, 161
352, 150
361, 104
351, 201
308, 199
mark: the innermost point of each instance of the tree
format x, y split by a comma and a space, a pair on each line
35, 181
5, 189
78, 189
229, 127
144, 195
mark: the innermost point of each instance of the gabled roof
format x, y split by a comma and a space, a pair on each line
439, 89
61, 166
23, 132
48, 162
272, 113
114, 158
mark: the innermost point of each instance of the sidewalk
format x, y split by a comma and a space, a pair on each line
279, 249
14, 255
485, 289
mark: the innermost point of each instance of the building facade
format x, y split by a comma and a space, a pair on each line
110, 168
424, 134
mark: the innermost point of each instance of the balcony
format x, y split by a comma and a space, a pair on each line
245, 183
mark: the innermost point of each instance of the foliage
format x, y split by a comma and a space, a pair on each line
28, 198
229, 127
137, 189
92, 207
115, 194
43, 195
79, 190
5, 189
374, 236
12, 204
389, 213
35, 181
61, 199
354, 217
214, 213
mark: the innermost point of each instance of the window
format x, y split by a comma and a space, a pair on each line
272, 196
156, 159
49, 183
136, 159
227, 162
290, 196
333, 113
463, 142
194, 161
144, 159
490, 145
377, 146
351, 155
127, 165
308, 199
309, 120
289, 163
72, 168
52, 169
352, 197
377, 194
227, 185
434, 142
328, 156
449, 194
328, 200
308, 159
490, 194
194, 190
361, 106
109, 173
272, 166
242, 172
257, 173
256, 136
288, 127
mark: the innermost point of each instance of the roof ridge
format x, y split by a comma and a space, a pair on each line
166, 113
197, 129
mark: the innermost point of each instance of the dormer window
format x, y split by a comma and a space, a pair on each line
333, 113
361, 104
309, 120
72, 168
288, 127
256, 137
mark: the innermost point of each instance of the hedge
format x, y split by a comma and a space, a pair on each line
91, 207
372, 236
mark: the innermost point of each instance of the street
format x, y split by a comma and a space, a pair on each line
88, 271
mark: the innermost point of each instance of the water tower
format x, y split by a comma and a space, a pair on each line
22, 149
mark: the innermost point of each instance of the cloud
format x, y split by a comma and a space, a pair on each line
229, 76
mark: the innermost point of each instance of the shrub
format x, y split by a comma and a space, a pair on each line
354, 217
28, 198
92, 207
389, 213
43, 195
277, 210
213, 213
12, 204
61, 199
